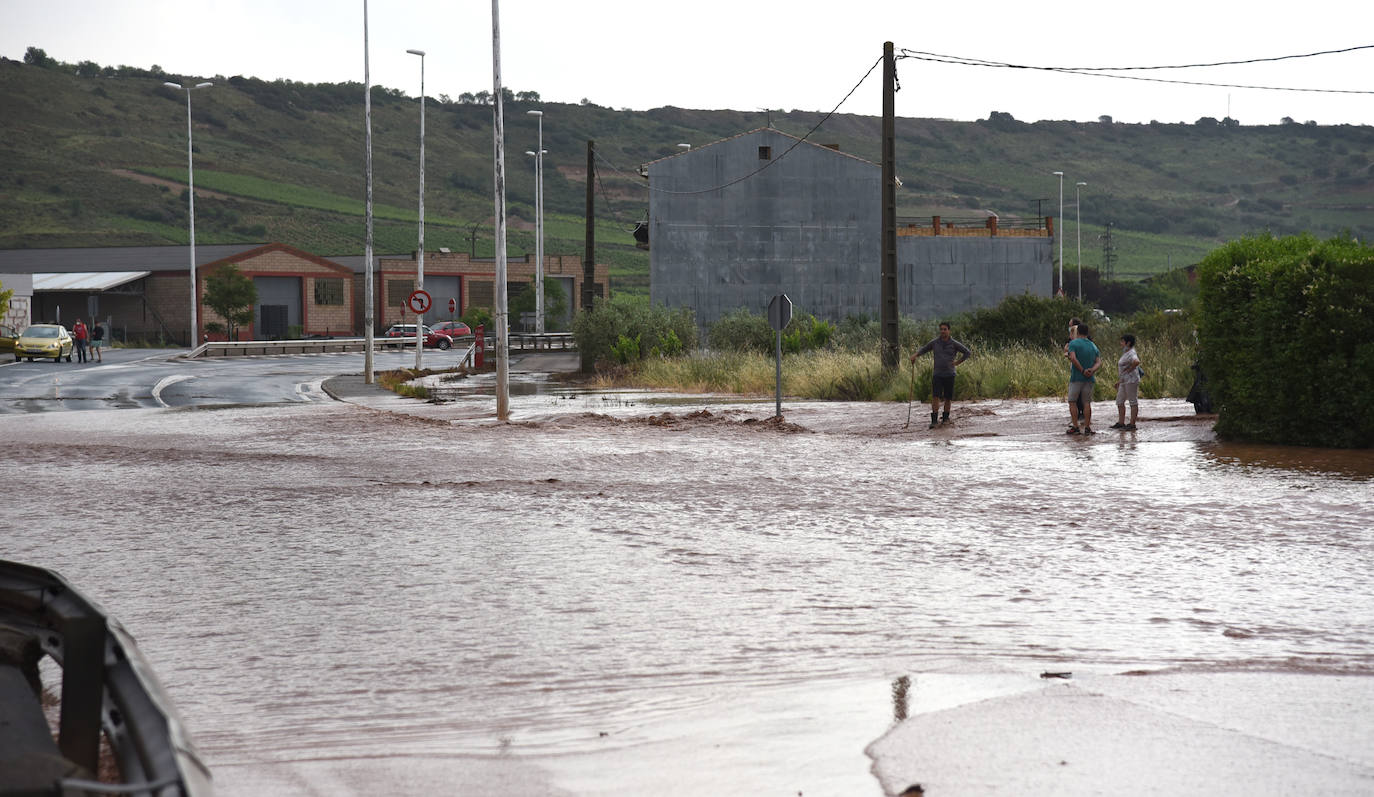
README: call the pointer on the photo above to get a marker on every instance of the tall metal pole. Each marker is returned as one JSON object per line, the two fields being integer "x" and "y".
{"x": 888, "y": 280}
{"x": 369, "y": 299}
{"x": 539, "y": 227}
{"x": 191, "y": 189}
{"x": 420, "y": 256}
{"x": 502, "y": 312}
{"x": 1079, "y": 229}
{"x": 589, "y": 253}
{"x": 1059, "y": 233}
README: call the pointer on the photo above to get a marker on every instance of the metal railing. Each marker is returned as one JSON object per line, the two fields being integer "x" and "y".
{"x": 106, "y": 686}
{"x": 519, "y": 341}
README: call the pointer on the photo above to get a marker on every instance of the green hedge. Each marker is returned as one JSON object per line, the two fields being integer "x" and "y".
{"x": 627, "y": 328}
{"x": 1286, "y": 331}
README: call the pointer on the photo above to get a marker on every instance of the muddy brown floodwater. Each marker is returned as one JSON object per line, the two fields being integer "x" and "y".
{"x": 630, "y": 598}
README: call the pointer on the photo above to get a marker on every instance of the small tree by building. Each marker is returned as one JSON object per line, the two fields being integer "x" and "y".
{"x": 232, "y": 296}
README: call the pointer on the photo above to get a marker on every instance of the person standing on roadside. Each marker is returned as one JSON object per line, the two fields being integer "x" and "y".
{"x": 1083, "y": 365}
{"x": 1073, "y": 333}
{"x": 944, "y": 348}
{"x": 97, "y": 340}
{"x": 79, "y": 336}
{"x": 1127, "y": 384}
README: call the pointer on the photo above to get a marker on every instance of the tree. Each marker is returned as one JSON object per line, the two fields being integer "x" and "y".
{"x": 35, "y": 56}
{"x": 555, "y": 303}
{"x": 232, "y": 296}
{"x": 4, "y": 300}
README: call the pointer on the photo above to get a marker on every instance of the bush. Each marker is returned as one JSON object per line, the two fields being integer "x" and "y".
{"x": 627, "y": 329}
{"x": 1025, "y": 319}
{"x": 1287, "y": 340}
{"x": 477, "y": 316}
{"x": 743, "y": 330}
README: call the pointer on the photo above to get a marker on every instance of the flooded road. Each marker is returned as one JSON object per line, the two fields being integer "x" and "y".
{"x": 683, "y": 600}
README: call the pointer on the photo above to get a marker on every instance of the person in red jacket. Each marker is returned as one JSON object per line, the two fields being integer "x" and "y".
{"x": 79, "y": 335}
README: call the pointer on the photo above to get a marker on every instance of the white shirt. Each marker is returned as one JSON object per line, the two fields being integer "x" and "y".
{"x": 1128, "y": 367}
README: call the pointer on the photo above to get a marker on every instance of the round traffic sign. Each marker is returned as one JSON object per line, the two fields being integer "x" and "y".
{"x": 453, "y": 305}
{"x": 419, "y": 302}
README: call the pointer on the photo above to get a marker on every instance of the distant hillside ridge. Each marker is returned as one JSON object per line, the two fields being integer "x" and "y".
{"x": 96, "y": 156}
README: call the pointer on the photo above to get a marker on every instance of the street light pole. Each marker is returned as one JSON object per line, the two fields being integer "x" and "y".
{"x": 420, "y": 256}
{"x": 1079, "y": 229}
{"x": 191, "y": 186}
{"x": 539, "y": 227}
{"x": 1059, "y": 233}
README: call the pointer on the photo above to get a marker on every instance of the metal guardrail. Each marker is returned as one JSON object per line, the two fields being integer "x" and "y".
{"x": 106, "y": 686}
{"x": 519, "y": 341}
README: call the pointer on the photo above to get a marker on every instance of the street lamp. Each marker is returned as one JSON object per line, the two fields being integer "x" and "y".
{"x": 420, "y": 256}
{"x": 1079, "y": 229}
{"x": 1060, "y": 232}
{"x": 538, "y": 225}
{"x": 191, "y": 186}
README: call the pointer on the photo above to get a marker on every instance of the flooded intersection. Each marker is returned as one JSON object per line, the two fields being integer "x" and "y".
{"x": 685, "y": 599}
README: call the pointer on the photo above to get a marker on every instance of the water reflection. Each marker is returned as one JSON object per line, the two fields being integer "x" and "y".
{"x": 1357, "y": 464}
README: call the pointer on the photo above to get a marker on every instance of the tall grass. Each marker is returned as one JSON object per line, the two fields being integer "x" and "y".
{"x": 1012, "y": 371}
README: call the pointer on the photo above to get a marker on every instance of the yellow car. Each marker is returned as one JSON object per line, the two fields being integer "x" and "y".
{"x": 44, "y": 340}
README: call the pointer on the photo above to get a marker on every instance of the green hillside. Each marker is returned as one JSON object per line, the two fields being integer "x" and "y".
{"x": 96, "y": 156}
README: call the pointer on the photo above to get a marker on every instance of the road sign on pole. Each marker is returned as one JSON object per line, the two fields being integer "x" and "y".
{"x": 452, "y": 306}
{"x": 419, "y": 302}
{"x": 779, "y": 314}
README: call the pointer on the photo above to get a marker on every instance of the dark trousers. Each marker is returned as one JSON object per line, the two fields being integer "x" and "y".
{"x": 80, "y": 350}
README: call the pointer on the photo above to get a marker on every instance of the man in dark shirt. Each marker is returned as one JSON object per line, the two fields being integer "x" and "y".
{"x": 942, "y": 379}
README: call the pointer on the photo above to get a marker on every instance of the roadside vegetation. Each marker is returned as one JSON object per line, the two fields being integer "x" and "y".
{"x": 1287, "y": 333}
{"x": 1018, "y": 348}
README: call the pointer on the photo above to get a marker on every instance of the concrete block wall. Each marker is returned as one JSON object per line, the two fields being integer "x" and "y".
{"x": 810, "y": 226}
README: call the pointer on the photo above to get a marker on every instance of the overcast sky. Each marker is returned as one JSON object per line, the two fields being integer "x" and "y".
{"x": 743, "y": 55}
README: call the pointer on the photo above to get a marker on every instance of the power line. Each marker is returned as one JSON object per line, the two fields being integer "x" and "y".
{"x": 795, "y": 144}
{"x": 1101, "y": 71}
{"x": 914, "y": 53}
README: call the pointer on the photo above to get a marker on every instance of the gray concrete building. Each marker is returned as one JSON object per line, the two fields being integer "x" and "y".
{"x": 734, "y": 223}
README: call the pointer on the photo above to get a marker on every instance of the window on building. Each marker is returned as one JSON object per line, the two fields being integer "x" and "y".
{"x": 398, "y": 291}
{"x": 765, "y": 153}
{"x": 481, "y": 294}
{"x": 329, "y": 291}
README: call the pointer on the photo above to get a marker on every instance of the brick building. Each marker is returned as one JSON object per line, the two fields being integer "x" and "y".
{"x": 470, "y": 283}
{"x": 143, "y": 292}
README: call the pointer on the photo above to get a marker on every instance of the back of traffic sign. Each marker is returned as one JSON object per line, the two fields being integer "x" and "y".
{"x": 779, "y": 312}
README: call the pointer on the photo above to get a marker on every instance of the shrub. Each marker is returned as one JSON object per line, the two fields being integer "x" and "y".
{"x": 742, "y": 330}
{"x": 477, "y": 316}
{"x": 1287, "y": 340}
{"x": 1023, "y": 318}
{"x": 626, "y": 329}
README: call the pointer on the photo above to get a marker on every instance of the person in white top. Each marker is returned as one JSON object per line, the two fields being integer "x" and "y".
{"x": 1128, "y": 384}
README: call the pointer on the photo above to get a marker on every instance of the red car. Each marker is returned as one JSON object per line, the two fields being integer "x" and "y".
{"x": 454, "y": 329}
{"x": 433, "y": 340}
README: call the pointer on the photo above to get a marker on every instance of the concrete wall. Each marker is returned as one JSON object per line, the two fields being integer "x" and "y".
{"x": 807, "y": 226}
{"x": 810, "y": 226}
{"x": 940, "y": 276}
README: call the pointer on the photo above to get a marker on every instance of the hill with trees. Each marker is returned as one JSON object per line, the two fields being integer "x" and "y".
{"x": 96, "y": 156}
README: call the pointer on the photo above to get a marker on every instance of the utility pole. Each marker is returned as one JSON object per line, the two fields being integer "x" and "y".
{"x": 502, "y": 310}
{"x": 589, "y": 256}
{"x": 369, "y": 298}
{"x": 1108, "y": 253}
{"x": 888, "y": 270}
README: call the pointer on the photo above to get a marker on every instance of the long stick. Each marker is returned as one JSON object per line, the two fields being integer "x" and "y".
{"x": 911, "y": 394}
